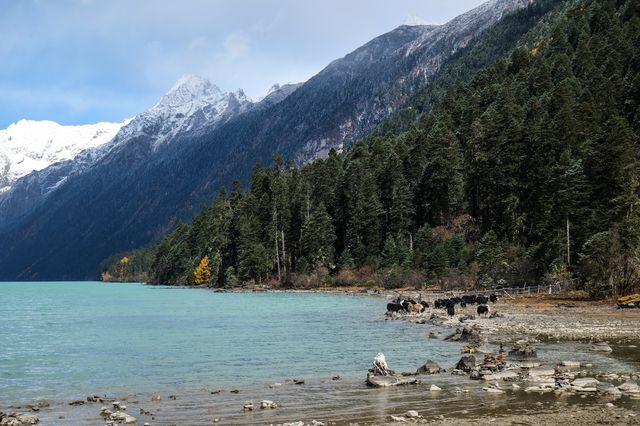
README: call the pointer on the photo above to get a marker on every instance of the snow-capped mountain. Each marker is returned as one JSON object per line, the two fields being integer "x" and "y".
{"x": 192, "y": 103}
{"x": 39, "y": 158}
{"x": 28, "y": 145}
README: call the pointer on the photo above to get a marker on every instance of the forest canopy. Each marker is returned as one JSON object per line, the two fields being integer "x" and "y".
{"x": 526, "y": 173}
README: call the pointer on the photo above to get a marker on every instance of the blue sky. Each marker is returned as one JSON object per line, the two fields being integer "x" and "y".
{"x": 83, "y": 61}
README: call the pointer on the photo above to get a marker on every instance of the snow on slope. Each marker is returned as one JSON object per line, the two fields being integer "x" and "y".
{"x": 192, "y": 103}
{"x": 28, "y": 145}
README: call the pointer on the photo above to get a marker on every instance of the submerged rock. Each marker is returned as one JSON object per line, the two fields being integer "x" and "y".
{"x": 266, "y": 404}
{"x": 601, "y": 347}
{"x": 469, "y": 335}
{"x": 121, "y": 417}
{"x": 386, "y": 381}
{"x": 429, "y": 367}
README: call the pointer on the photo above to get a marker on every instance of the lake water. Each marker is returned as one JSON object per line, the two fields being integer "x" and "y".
{"x": 63, "y": 340}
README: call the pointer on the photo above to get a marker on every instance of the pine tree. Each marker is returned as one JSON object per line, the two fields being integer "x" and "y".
{"x": 318, "y": 237}
{"x": 441, "y": 189}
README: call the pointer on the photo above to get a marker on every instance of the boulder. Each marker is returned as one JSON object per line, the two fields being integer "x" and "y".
{"x": 585, "y": 384}
{"x": 386, "y": 381}
{"x": 435, "y": 388}
{"x": 469, "y": 335}
{"x": 571, "y": 364}
{"x": 15, "y": 419}
{"x": 121, "y": 417}
{"x": 466, "y": 363}
{"x": 248, "y": 406}
{"x": 266, "y": 404}
{"x": 601, "y": 347}
{"x": 608, "y": 389}
{"x": 429, "y": 367}
{"x": 413, "y": 414}
{"x": 629, "y": 388}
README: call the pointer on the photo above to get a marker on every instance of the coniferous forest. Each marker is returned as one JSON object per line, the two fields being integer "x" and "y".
{"x": 525, "y": 173}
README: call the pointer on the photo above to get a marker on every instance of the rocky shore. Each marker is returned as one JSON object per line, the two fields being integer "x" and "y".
{"x": 505, "y": 373}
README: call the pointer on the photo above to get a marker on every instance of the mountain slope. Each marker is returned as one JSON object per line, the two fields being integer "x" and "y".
{"x": 192, "y": 104}
{"x": 130, "y": 197}
{"x": 529, "y": 172}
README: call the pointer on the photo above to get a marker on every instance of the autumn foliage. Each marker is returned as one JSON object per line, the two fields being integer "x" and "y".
{"x": 202, "y": 274}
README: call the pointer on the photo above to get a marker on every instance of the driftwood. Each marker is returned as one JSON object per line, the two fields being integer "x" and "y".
{"x": 380, "y": 367}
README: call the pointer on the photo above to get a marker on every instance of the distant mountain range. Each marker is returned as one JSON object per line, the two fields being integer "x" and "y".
{"x": 169, "y": 161}
{"x": 28, "y": 146}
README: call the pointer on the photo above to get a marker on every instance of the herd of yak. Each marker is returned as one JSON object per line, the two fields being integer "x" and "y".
{"x": 411, "y": 306}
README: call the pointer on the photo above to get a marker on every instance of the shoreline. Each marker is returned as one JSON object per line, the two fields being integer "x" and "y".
{"x": 347, "y": 401}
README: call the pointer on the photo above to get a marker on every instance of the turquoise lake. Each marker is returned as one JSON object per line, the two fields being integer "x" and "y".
{"x": 61, "y": 340}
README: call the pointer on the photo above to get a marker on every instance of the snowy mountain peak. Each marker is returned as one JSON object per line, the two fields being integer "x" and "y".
{"x": 30, "y": 145}
{"x": 189, "y": 93}
{"x": 192, "y": 104}
{"x": 414, "y": 21}
{"x": 194, "y": 83}
{"x": 273, "y": 89}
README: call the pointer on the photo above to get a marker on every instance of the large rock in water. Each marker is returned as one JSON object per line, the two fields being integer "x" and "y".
{"x": 429, "y": 367}
{"x": 601, "y": 347}
{"x": 386, "y": 381}
{"x": 469, "y": 335}
{"x": 466, "y": 363}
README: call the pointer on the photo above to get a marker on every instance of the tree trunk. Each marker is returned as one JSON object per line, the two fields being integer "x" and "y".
{"x": 568, "y": 244}
{"x": 275, "y": 225}
{"x": 284, "y": 257}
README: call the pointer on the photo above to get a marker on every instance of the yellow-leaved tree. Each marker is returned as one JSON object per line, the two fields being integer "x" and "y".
{"x": 202, "y": 274}
{"x": 124, "y": 262}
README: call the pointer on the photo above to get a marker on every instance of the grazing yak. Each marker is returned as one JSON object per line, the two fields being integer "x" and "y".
{"x": 408, "y": 306}
{"x": 394, "y": 307}
{"x": 415, "y": 308}
{"x": 483, "y": 309}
